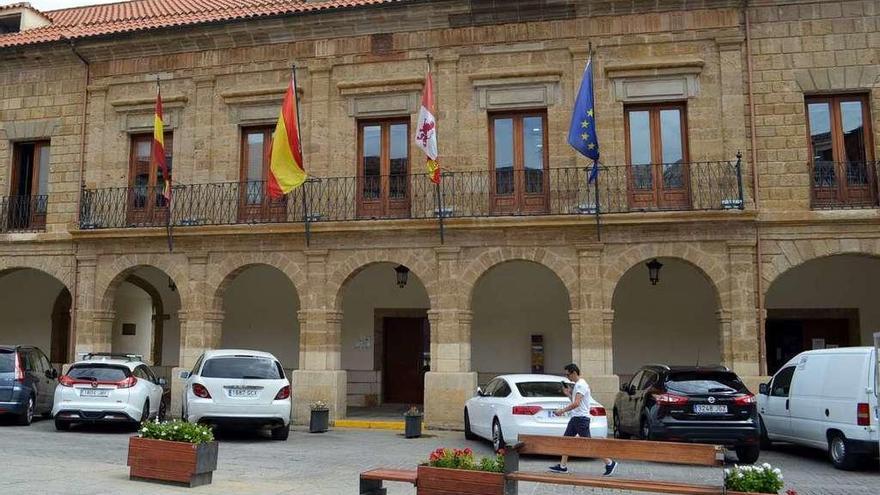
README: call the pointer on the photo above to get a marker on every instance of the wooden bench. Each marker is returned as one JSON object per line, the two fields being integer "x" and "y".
{"x": 371, "y": 481}
{"x": 621, "y": 450}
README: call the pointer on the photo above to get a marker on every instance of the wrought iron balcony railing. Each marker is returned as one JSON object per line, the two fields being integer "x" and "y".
{"x": 837, "y": 185}
{"x": 23, "y": 213}
{"x": 504, "y": 192}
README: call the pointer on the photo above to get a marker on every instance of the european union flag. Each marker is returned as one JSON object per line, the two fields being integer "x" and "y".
{"x": 582, "y": 133}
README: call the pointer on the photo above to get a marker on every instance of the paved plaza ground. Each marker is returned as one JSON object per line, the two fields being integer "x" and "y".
{"x": 39, "y": 460}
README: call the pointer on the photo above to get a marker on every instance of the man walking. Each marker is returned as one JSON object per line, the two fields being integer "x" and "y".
{"x": 579, "y": 424}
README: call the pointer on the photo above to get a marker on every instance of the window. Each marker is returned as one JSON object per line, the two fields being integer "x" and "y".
{"x": 782, "y": 382}
{"x": 254, "y": 368}
{"x": 540, "y": 389}
{"x": 491, "y": 387}
{"x": 648, "y": 380}
{"x": 840, "y": 150}
{"x": 634, "y": 382}
{"x": 255, "y": 205}
{"x": 383, "y": 168}
{"x": 519, "y": 162}
{"x": 503, "y": 390}
{"x": 29, "y": 186}
{"x": 704, "y": 382}
{"x": 147, "y": 204}
{"x": 198, "y": 364}
{"x": 657, "y": 155}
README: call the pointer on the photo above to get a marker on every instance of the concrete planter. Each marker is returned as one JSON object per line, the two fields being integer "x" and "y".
{"x": 181, "y": 463}
{"x": 441, "y": 481}
{"x": 319, "y": 421}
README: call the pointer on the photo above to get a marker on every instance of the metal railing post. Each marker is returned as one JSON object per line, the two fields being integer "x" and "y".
{"x": 739, "y": 180}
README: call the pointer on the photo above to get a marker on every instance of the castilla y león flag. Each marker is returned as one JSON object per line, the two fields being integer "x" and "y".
{"x": 286, "y": 170}
{"x": 426, "y": 130}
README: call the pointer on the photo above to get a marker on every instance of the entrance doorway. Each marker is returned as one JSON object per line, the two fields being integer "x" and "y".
{"x": 787, "y": 335}
{"x": 29, "y": 186}
{"x": 405, "y": 359}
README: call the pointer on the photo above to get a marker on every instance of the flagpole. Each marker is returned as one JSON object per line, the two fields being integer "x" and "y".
{"x": 437, "y": 193}
{"x": 595, "y": 162}
{"x": 169, "y": 224}
{"x": 305, "y": 201}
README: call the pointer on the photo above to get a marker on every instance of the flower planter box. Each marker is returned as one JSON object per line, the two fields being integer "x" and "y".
{"x": 180, "y": 463}
{"x": 440, "y": 481}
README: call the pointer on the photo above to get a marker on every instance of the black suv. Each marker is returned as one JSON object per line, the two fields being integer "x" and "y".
{"x": 689, "y": 404}
{"x": 27, "y": 383}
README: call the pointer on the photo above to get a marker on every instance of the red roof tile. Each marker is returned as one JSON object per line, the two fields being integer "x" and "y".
{"x": 139, "y": 15}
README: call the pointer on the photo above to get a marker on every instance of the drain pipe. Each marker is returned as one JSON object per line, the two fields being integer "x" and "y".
{"x": 759, "y": 280}
{"x": 71, "y": 351}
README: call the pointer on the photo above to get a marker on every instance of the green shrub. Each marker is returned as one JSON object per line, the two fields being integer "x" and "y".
{"x": 177, "y": 431}
{"x": 464, "y": 459}
{"x": 756, "y": 479}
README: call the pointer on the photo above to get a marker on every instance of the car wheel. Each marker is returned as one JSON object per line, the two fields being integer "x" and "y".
{"x": 645, "y": 430}
{"x": 840, "y": 455}
{"x": 497, "y": 436}
{"x": 62, "y": 425}
{"x": 27, "y": 416}
{"x": 281, "y": 433}
{"x": 618, "y": 433}
{"x": 145, "y": 414}
{"x": 766, "y": 443}
{"x": 163, "y": 411}
{"x": 748, "y": 454}
{"x": 468, "y": 434}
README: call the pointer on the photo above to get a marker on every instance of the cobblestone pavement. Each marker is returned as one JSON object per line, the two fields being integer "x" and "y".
{"x": 39, "y": 460}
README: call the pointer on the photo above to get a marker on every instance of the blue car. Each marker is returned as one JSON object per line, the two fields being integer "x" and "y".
{"x": 27, "y": 383}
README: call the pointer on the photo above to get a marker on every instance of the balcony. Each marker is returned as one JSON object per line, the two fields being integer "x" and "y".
{"x": 841, "y": 185}
{"x": 23, "y": 213}
{"x": 499, "y": 193}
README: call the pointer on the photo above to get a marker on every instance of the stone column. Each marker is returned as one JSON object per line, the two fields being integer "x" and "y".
{"x": 450, "y": 382}
{"x": 317, "y": 116}
{"x": 591, "y": 333}
{"x": 89, "y": 336}
{"x": 203, "y": 146}
{"x": 744, "y": 337}
{"x": 200, "y": 331}
{"x": 733, "y": 98}
{"x": 320, "y": 375}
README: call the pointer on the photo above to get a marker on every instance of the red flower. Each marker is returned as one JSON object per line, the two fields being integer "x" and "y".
{"x": 790, "y": 492}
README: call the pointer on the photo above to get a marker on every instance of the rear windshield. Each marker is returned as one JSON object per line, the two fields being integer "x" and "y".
{"x": 704, "y": 382}
{"x": 7, "y": 361}
{"x": 540, "y": 389}
{"x": 99, "y": 372}
{"x": 254, "y": 368}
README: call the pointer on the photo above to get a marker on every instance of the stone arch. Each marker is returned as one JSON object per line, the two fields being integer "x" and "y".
{"x": 714, "y": 270}
{"x": 109, "y": 279}
{"x": 231, "y": 266}
{"x": 788, "y": 254}
{"x": 61, "y": 268}
{"x": 566, "y": 269}
{"x": 421, "y": 266}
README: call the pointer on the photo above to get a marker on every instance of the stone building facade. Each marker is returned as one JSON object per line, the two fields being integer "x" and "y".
{"x": 680, "y": 90}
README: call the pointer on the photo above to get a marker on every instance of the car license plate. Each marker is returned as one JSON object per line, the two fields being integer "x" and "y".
{"x": 242, "y": 392}
{"x": 94, "y": 392}
{"x": 709, "y": 409}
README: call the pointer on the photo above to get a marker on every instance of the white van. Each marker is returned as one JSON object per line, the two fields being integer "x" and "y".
{"x": 825, "y": 399}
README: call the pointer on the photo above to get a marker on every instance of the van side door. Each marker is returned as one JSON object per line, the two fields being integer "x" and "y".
{"x": 776, "y": 413}
{"x": 812, "y": 401}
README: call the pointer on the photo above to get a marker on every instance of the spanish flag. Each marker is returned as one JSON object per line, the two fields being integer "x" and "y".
{"x": 157, "y": 153}
{"x": 426, "y": 130}
{"x": 286, "y": 170}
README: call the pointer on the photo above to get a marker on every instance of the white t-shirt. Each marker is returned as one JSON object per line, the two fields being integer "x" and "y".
{"x": 583, "y": 410}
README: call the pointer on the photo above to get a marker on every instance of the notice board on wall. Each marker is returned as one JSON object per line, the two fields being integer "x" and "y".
{"x": 537, "y": 353}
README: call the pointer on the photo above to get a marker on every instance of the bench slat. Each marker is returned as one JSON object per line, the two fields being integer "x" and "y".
{"x": 617, "y": 483}
{"x": 400, "y": 475}
{"x": 634, "y": 450}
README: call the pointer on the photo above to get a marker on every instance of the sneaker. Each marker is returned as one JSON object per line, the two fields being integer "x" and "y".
{"x": 559, "y": 468}
{"x": 609, "y": 468}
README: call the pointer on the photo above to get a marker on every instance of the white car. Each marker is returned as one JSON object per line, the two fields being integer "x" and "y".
{"x": 512, "y": 405}
{"x": 109, "y": 388}
{"x": 238, "y": 388}
{"x": 826, "y": 399}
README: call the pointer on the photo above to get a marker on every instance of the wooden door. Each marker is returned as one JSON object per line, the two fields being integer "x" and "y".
{"x": 657, "y": 157}
{"x": 30, "y": 184}
{"x": 403, "y": 371}
{"x": 383, "y": 169}
{"x": 146, "y": 201}
{"x": 254, "y": 203}
{"x": 519, "y": 166}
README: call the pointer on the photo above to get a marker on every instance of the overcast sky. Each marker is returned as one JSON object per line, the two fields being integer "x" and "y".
{"x": 57, "y": 4}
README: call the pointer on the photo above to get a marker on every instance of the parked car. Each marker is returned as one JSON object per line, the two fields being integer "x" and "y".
{"x": 108, "y": 388}
{"x": 689, "y": 404}
{"x": 27, "y": 382}
{"x": 825, "y": 399}
{"x": 513, "y": 405}
{"x": 238, "y": 388}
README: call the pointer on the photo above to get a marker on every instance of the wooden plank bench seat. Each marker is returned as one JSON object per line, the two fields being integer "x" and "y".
{"x": 371, "y": 481}
{"x": 627, "y": 450}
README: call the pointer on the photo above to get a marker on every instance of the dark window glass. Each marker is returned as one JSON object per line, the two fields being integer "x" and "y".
{"x": 541, "y": 389}
{"x": 99, "y": 372}
{"x": 503, "y": 156}
{"x": 490, "y": 388}
{"x": 255, "y": 368}
{"x": 197, "y": 365}
{"x": 533, "y": 153}
{"x": 637, "y": 379}
{"x": 399, "y": 156}
{"x": 702, "y": 382}
{"x": 372, "y": 161}
{"x": 7, "y": 361}
{"x": 782, "y": 382}
{"x": 503, "y": 390}
{"x": 648, "y": 380}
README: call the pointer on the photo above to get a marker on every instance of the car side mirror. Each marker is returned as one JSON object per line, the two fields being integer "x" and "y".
{"x": 183, "y": 375}
{"x": 479, "y": 392}
{"x": 162, "y": 382}
{"x": 764, "y": 389}
{"x": 52, "y": 373}
{"x": 624, "y": 387}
